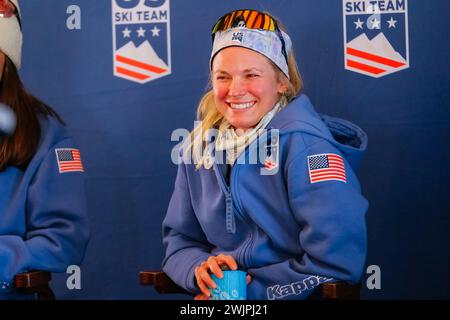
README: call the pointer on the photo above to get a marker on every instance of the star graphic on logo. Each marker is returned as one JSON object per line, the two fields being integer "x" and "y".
{"x": 359, "y": 24}
{"x": 376, "y": 24}
{"x": 392, "y": 22}
{"x": 141, "y": 32}
{"x": 126, "y": 32}
{"x": 155, "y": 31}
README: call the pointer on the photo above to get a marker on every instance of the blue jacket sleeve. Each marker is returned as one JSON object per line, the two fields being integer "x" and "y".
{"x": 185, "y": 243}
{"x": 331, "y": 215}
{"x": 56, "y": 222}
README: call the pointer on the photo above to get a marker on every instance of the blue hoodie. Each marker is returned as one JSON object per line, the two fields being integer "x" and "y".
{"x": 290, "y": 230}
{"x": 43, "y": 224}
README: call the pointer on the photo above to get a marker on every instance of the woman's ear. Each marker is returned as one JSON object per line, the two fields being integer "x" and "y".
{"x": 282, "y": 88}
{"x": 283, "y": 82}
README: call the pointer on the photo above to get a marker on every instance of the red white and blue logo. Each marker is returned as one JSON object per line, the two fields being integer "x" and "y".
{"x": 141, "y": 39}
{"x": 376, "y": 36}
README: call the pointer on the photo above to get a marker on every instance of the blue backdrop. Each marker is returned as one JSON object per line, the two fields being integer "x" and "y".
{"x": 123, "y": 129}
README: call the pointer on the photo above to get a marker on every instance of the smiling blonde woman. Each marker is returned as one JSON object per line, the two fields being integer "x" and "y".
{"x": 295, "y": 218}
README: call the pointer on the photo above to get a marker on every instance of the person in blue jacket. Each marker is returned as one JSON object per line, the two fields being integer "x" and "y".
{"x": 293, "y": 219}
{"x": 43, "y": 215}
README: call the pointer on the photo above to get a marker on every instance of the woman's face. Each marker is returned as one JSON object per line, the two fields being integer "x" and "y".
{"x": 2, "y": 64}
{"x": 245, "y": 86}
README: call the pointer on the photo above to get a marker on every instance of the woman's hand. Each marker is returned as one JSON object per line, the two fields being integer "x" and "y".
{"x": 212, "y": 265}
{"x": 201, "y": 296}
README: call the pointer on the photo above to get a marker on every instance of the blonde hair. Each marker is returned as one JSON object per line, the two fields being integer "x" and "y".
{"x": 209, "y": 116}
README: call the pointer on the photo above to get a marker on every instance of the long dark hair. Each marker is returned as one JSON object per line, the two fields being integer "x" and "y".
{"x": 19, "y": 149}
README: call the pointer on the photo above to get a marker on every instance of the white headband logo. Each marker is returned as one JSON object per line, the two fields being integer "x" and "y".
{"x": 238, "y": 36}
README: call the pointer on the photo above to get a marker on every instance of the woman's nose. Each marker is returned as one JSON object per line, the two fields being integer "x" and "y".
{"x": 237, "y": 88}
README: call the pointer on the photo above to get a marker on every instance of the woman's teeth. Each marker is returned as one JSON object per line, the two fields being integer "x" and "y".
{"x": 242, "y": 105}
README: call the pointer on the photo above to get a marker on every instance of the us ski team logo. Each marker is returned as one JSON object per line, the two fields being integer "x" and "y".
{"x": 141, "y": 39}
{"x": 376, "y": 36}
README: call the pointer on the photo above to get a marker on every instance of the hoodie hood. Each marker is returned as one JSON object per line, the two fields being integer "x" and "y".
{"x": 300, "y": 116}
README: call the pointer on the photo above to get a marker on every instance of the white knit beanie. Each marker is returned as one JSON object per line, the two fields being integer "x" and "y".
{"x": 11, "y": 37}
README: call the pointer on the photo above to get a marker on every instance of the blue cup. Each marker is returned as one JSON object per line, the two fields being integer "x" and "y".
{"x": 232, "y": 286}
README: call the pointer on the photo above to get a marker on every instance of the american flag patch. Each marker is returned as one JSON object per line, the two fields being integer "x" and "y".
{"x": 325, "y": 167}
{"x": 69, "y": 160}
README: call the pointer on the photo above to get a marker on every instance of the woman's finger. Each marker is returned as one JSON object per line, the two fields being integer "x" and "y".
{"x": 248, "y": 279}
{"x": 214, "y": 267}
{"x": 228, "y": 260}
{"x": 201, "y": 297}
{"x": 203, "y": 288}
{"x": 199, "y": 271}
{"x": 206, "y": 277}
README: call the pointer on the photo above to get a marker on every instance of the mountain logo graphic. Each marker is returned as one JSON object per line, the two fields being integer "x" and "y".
{"x": 141, "y": 40}
{"x": 376, "y": 40}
